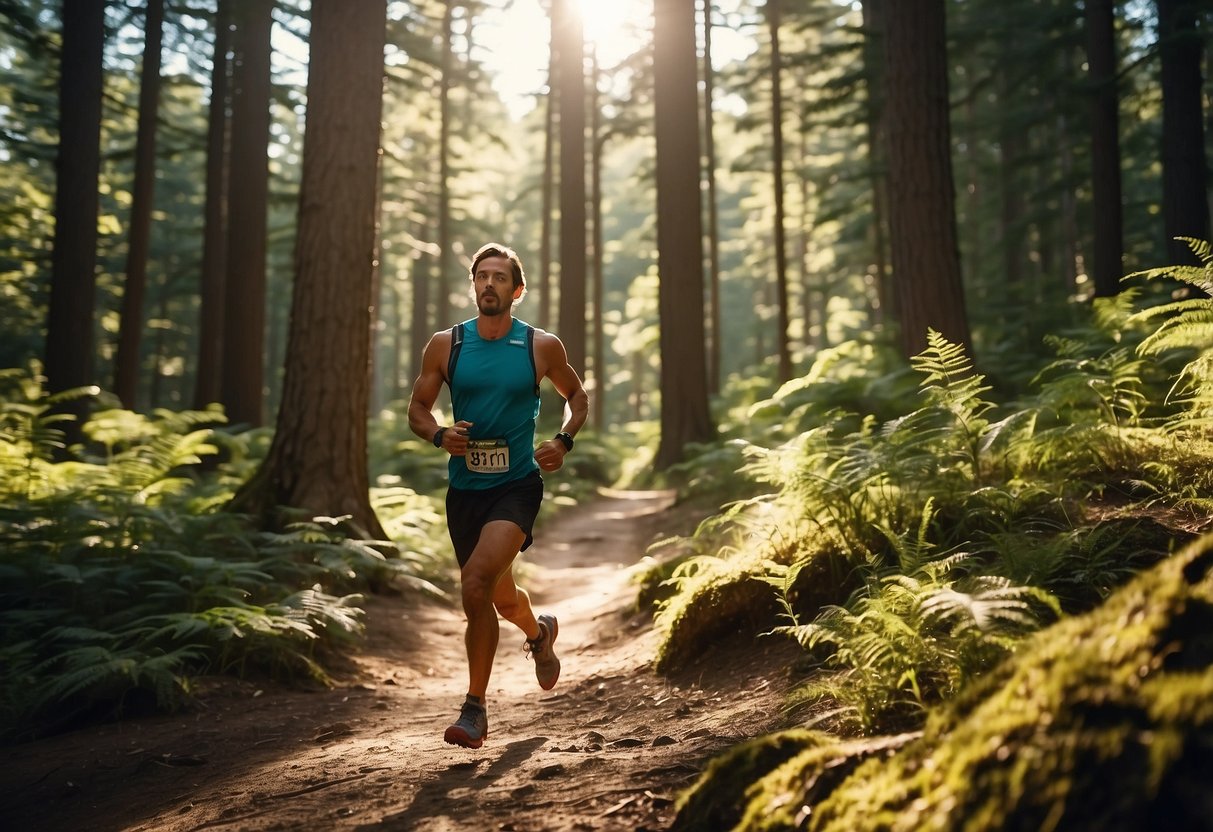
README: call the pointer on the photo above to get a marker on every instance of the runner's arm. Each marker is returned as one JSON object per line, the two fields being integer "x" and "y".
{"x": 555, "y": 361}
{"x": 425, "y": 395}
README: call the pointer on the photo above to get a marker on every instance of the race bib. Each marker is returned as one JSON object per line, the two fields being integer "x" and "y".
{"x": 488, "y": 456}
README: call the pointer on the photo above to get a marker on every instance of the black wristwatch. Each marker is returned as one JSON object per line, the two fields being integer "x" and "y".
{"x": 438, "y": 437}
{"x": 566, "y": 440}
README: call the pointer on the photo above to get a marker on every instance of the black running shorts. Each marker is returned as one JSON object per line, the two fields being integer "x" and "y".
{"x": 468, "y": 510}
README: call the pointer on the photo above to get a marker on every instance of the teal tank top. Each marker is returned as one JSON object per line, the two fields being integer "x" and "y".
{"x": 493, "y": 386}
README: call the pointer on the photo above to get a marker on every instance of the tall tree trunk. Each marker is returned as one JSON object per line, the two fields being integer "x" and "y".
{"x": 243, "y": 380}
{"x": 709, "y": 168}
{"x": 1011, "y": 148}
{"x": 874, "y": 65}
{"x": 1108, "y": 246}
{"x": 814, "y": 290}
{"x": 396, "y": 368}
{"x": 545, "y": 221}
{"x": 922, "y": 212}
{"x": 685, "y": 417}
{"x": 446, "y": 268}
{"x": 570, "y": 77}
{"x": 421, "y": 325}
{"x": 130, "y": 329}
{"x": 159, "y": 345}
{"x": 781, "y": 252}
{"x": 375, "y": 400}
{"x": 318, "y": 459}
{"x": 571, "y": 93}
{"x": 69, "y": 322}
{"x": 1185, "y": 172}
{"x": 214, "y": 229}
{"x": 1068, "y": 225}
{"x": 598, "y": 394}
{"x": 975, "y": 212}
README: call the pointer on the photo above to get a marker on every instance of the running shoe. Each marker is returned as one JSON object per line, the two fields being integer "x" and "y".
{"x": 471, "y": 728}
{"x": 547, "y": 664}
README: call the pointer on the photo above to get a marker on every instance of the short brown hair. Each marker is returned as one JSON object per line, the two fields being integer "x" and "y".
{"x": 498, "y": 250}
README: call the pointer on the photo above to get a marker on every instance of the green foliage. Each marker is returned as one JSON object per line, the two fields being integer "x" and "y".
{"x": 915, "y": 634}
{"x": 855, "y": 377}
{"x": 1096, "y": 724}
{"x": 970, "y": 524}
{"x": 121, "y": 578}
{"x": 913, "y": 554}
{"x": 1186, "y": 326}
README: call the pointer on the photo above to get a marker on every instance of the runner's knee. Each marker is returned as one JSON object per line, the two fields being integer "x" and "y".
{"x": 510, "y": 600}
{"x": 477, "y": 590}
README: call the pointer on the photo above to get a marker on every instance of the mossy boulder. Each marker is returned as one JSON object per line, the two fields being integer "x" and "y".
{"x": 726, "y": 604}
{"x": 1102, "y": 722}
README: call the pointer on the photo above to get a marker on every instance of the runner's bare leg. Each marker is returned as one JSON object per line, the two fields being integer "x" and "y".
{"x": 490, "y": 561}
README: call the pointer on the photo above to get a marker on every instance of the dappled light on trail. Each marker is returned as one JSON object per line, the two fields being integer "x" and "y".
{"x": 610, "y": 746}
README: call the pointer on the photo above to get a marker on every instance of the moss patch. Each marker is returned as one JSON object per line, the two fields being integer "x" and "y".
{"x": 724, "y": 604}
{"x": 717, "y": 800}
{"x": 1101, "y": 722}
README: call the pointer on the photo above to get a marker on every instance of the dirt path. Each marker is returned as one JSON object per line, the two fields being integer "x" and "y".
{"x": 608, "y": 748}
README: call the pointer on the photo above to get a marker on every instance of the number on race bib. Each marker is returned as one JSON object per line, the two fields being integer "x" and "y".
{"x": 488, "y": 456}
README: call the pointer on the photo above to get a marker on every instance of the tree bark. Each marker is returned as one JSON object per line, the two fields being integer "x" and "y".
{"x": 420, "y": 325}
{"x": 248, "y": 189}
{"x": 570, "y": 78}
{"x": 874, "y": 65}
{"x": 214, "y": 229}
{"x": 781, "y": 253}
{"x": 685, "y": 417}
{"x": 1185, "y": 171}
{"x": 446, "y": 271}
{"x": 709, "y": 167}
{"x": 545, "y": 221}
{"x": 318, "y": 459}
{"x": 1108, "y": 247}
{"x": 598, "y": 391}
{"x": 130, "y": 328}
{"x": 69, "y": 324}
{"x": 922, "y": 212}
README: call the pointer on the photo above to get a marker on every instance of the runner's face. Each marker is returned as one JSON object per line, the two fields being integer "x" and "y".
{"x": 494, "y": 285}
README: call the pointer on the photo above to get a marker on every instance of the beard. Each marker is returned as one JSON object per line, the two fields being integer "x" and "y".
{"x": 491, "y": 310}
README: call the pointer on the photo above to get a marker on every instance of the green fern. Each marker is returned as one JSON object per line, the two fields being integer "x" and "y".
{"x": 119, "y": 575}
{"x": 1186, "y": 326}
{"x": 908, "y": 641}
{"x": 918, "y": 632}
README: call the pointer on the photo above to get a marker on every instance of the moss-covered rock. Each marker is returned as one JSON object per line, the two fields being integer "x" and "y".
{"x": 718, "y": 799}
{"x": 726, "y": 603}
{"x": 1101, "y": 722}
{"x": 759, "y": 784}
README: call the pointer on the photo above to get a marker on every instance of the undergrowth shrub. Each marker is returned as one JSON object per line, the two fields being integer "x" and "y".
{"x": 121, "y": 579}
{"x": 1185, "y": 326}
{"x": 942, "y": 535}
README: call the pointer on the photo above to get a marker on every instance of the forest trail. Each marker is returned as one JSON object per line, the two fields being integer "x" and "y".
{"x": 609, "y": 748}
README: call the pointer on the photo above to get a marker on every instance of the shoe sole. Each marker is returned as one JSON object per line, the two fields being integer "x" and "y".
{"x": 553, "y": 629}
{"x": 457, "y": 736}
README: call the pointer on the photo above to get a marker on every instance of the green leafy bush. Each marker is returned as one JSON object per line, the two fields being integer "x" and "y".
{"x": 121, "y": 578}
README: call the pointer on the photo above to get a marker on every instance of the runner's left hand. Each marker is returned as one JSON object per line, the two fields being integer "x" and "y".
{"x": 550, "y": 455}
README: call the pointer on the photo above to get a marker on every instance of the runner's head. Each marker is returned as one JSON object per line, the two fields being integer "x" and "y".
{"x": 498, "y": 250}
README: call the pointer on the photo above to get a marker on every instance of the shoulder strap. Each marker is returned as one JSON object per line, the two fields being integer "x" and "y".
{"x": 530, "y": 351}
{"x": 456, "y": 345}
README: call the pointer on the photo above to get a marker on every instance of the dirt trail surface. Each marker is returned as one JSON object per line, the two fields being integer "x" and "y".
{"x": 609, "y": 748}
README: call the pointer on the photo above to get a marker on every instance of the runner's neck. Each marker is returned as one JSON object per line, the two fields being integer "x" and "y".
{"x": 491, "y": 328}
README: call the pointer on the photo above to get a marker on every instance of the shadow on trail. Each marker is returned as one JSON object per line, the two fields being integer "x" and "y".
{"x": 452, "y": 793}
